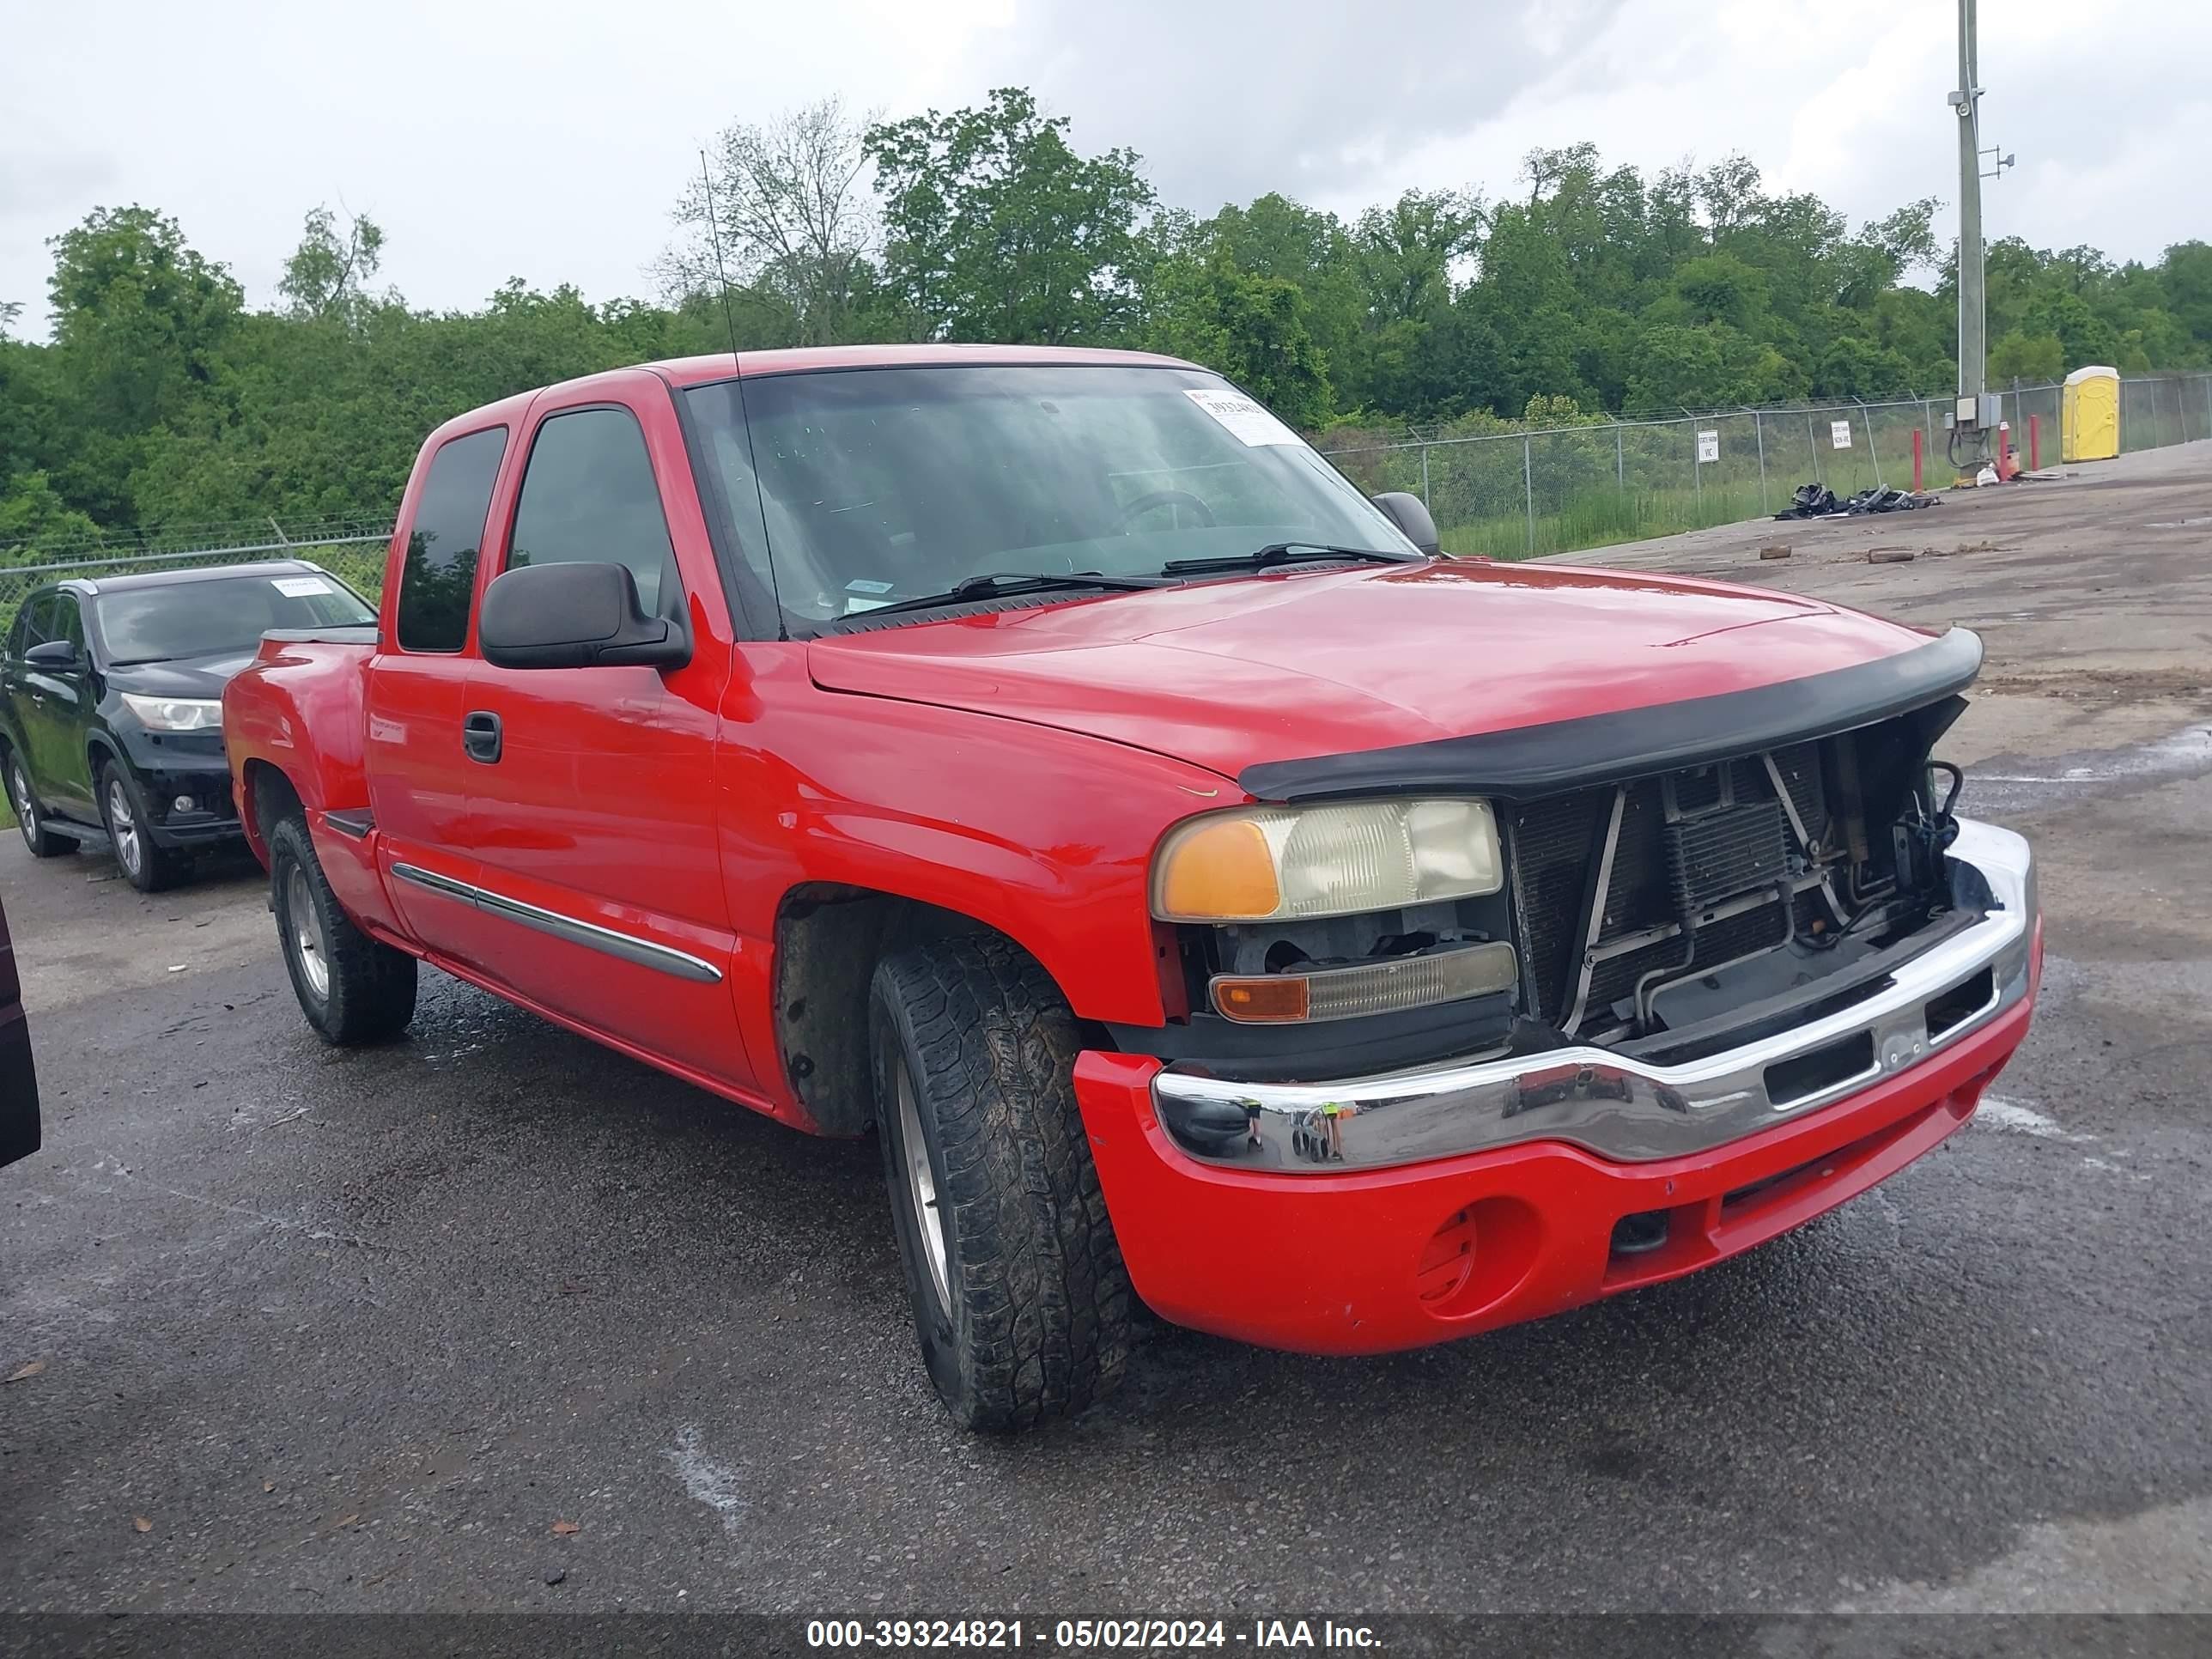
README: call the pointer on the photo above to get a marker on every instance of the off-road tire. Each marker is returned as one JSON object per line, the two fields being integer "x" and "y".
{"x": 30, "y": 816}
{"x": 369, "y": 991}
{"x": 1038, "y": 1321}
{"x": 157, "y": 868}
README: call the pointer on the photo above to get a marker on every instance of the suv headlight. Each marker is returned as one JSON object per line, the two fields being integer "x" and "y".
{"x": 174, "y": 714}
{"x": 1285, "y": 863}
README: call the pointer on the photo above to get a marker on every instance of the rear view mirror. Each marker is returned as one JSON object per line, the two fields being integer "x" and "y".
{"x": 574, "y": 615}
{"x": 1411, "y": 518}
{"x": 54, "y": 653}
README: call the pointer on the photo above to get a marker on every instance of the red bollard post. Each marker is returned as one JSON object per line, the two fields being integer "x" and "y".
{"x": 2035, "y": 443}
{"x": 1915, "y": 460}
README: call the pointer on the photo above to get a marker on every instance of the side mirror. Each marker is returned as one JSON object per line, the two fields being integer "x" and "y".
{"x": 54, "y": 653}
{"x": 574, "y": 615}
{"x": 1412, "y": 517}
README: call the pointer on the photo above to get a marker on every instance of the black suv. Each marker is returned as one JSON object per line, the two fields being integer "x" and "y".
{"x": 111, "y": 704}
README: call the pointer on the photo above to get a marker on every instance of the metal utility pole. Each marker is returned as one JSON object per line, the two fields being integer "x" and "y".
{"x": 1973, "y": 316}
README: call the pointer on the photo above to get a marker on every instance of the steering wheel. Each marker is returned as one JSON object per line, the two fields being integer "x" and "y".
{"x": 1166, "y": 498}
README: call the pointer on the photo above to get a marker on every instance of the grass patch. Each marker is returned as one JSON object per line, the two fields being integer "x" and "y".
{"x": 1601, "y": 517}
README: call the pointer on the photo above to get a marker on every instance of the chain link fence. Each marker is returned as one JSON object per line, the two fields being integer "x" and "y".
{"x": 352, "y": 550}
{"x": 1519, "y": 493}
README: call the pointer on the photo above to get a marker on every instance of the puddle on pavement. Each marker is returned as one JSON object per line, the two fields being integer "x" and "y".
{"x": 2006, "y": 783}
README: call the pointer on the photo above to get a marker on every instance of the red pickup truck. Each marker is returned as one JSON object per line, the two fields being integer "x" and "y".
{"x": 1208, "y": 892}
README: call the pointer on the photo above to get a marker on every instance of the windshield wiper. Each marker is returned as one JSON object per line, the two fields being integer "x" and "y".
{"x": 1283, "y": 553}
{"x": 999, "y": 584}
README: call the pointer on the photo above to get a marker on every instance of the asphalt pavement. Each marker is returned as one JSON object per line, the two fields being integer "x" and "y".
{"x": 493, "y": 1319}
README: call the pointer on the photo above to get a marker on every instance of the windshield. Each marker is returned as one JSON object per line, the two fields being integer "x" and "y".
{"x": 225, "y": 617}
{"x": 875, "y": 485}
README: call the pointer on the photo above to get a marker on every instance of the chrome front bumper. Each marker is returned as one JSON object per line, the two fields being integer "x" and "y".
{"x": 1613, "y": 1104}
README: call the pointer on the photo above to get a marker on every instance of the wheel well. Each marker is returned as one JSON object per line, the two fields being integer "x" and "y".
{"x": 269, "y": 796}
{"x": 828, "y": 939}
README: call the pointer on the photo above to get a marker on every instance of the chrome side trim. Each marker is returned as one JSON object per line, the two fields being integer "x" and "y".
{"x": 589, "y": 934}
{"x": 1613, "y": 1104}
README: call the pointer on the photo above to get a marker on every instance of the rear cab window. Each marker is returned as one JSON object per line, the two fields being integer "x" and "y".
{"x": 438, "y": 572}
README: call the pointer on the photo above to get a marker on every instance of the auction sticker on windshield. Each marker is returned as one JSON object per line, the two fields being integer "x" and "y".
{"x": 1245, "y": 419}
{"x": 300, "y": 587}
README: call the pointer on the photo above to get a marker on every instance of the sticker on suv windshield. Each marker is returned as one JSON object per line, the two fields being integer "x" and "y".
{"x": 1245, "y": 420}
{"x": 300, "y": 587}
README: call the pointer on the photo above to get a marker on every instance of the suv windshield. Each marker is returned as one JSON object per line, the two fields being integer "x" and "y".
{"x": 225, "y": 617}
{"x": 876, "y": 485}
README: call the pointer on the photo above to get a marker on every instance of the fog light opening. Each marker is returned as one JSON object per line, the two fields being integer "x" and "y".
{"x": 1480, "y": 1255}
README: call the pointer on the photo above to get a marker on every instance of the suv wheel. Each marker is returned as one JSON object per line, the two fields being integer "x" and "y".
{"x": 43, "y": 843}
{"x": 150, "y": 868}
{"x": 353, "y": 989}
{"x": 1020, "y": 1299}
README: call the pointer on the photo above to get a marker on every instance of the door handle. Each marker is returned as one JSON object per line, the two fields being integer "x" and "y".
{"x": 480, "y": 735}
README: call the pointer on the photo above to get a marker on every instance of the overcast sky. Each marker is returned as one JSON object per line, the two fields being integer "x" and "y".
{"x": 547, "y": 141}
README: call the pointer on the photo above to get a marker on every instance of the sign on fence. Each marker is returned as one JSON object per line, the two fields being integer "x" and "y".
{"x": 1840, "y": 434}
{"x": 1709, "y": 446}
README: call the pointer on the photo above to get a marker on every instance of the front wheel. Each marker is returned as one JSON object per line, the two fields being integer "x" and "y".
{"x": 353, "y": 989}
{"x": 43, "y": 843}
{"x": 1020, "y": 1298}
{"x": 150, "y": 868}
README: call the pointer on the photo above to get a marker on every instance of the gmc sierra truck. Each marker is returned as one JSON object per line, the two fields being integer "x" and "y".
{"x": 1207, "y": 892}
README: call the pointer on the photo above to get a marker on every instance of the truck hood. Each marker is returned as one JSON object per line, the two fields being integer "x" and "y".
{"x": 1292, "y": 665}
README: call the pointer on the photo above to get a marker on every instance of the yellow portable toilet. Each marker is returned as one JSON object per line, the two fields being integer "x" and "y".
{"x": 2092, "y": 415}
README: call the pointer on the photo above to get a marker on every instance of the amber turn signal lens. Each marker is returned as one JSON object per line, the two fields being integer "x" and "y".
{"x": 1379, "y": 987}
{"x": 1221, "y": 868}
{"x": 1260, "y": 1001}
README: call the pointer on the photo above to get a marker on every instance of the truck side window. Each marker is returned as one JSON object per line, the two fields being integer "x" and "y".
{"x": 438, "y": 581}
{"x": 588, "y": 495}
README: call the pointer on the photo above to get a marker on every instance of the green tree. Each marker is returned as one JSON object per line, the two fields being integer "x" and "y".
{"x": 784, "y": 212}
{"x": 34, "y": 518}
{"x": 140, "y": 317}
{"x": 996, "y": 229}
{"x": 2058, "y": 311}
{"x": 1251, "y": 328}
{"x": 1855, "y": 368}
{"x": 2185, "y": 275}
{"x": 327, "y": 275}
{"x": 2027, "y": 358}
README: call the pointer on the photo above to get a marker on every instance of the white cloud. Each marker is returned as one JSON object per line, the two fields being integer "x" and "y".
{"x": 548, "y": 141}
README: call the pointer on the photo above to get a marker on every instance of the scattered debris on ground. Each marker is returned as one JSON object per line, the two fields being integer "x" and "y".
{"x": 1889, "y": 555}
{"x": 1815, "y": 501}
{"x": 1775, "y": 550}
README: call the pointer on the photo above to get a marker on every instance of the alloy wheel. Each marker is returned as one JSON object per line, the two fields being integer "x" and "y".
{"x": 123, "y": 828}
{"x": 921, "y": 1189}
{"x": 306, "y": 923}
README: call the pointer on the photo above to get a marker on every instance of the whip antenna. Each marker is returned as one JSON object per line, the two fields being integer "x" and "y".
{"x": 714, "y": 240}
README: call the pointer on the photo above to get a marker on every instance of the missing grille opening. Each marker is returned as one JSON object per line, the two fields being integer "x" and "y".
{"x": 1808, "y": 1074}
{"x": 1961, "y": 1002}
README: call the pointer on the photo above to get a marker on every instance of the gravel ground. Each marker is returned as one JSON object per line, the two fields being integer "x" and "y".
{"x": 371, "y": 1332}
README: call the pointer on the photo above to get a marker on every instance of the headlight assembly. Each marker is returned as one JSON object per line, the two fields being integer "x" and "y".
{"x": 174, "y": 714}
{"x": 1284, "y": 864}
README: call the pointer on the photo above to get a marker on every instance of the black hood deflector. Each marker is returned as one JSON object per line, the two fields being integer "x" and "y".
{"x": 1529, "y": 761}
